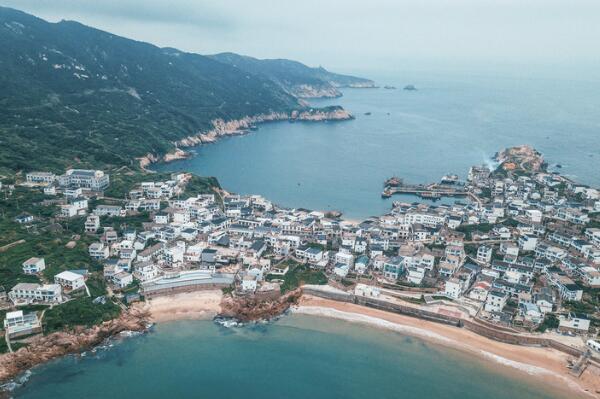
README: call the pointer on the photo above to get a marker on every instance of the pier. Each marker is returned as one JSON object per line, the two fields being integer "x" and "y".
{"x": 433, "y": 191}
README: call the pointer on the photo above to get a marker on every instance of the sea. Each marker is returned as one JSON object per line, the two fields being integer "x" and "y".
{"x": 297, "y": 356}
{"x": 451, "y": 122}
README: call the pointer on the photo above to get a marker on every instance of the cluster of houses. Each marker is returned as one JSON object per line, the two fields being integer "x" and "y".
{"x": 520, "y": 250}
{"x": 518, "y": 253}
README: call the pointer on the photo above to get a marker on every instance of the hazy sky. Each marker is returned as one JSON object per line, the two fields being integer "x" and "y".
{"x": 357, "y": 35}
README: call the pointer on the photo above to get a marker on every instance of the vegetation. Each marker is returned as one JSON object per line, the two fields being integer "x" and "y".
{"x": 97, "y": 99}
{"x": 292, "y": 76}
{"x": 550, "y": 322}
{"x": 79, "y": 312}
{"x": 299, "y": 274}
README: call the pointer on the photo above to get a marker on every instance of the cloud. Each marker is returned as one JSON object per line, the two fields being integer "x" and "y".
{"x": 185, "y": 12}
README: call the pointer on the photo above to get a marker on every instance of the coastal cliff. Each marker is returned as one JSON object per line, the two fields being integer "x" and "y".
{"x": 222, "y": 128}
{"x": 315, "y": 91}
{"x": 240, "y": 126}
{"x": 44, "y": 348}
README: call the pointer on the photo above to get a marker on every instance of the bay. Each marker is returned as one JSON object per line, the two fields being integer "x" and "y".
{"x": 450, "y": 123}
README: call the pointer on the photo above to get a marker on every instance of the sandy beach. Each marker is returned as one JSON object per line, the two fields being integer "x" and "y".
{"x": 547, "y": 366}
{"x": 185, "y": 306}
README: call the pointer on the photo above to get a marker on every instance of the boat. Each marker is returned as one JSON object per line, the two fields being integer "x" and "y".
{"x": 367, "y": 113}
{"x": 449, "y": 179}
{"x": 390, "y": 87}
{"x": 410, "y": 88}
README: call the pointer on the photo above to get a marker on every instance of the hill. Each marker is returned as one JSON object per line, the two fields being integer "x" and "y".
{"x": 73, "y": 95}
{"x": 294, "y": 77}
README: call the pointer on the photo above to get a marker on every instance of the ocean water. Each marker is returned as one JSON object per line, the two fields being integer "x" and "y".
{"x": 449, "y": 124}
{"x": 297, "y": 357}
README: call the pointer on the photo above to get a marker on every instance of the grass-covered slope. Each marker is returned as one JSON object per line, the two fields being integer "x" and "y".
{"x": 72, "y": 95}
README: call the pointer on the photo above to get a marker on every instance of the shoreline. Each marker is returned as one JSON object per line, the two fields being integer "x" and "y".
{"x": 547, "y": 366}
{"x": 238, "y": 127}
{"x": 197, "y": 305}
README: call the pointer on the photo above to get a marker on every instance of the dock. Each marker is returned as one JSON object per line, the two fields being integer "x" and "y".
{"x": 395, "y": 185}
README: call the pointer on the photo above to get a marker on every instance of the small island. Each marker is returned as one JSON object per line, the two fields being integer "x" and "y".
{"x": 410, "y": 88}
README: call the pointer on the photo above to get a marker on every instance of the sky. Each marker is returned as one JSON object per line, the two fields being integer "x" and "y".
{"x": 557, "y": 36}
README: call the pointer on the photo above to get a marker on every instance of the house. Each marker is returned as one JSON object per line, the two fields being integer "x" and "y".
{"x": 34, "y": 265}
{"x": 122, "y": 279}
{"x": 544, "y": 300}
{"x": 209, "y": 255}
{"x": 573, "y": 322}
{"x": 495, "y": 301}
{"x": 361, "y": 264}
{"x": 531, "y": 312}
{"x": 92, "y": 224}
{"x": 161, "y": 218}
{"x": 108, "y": 210}
{"x": 311, "y": 254}
{"x": 590, "y": 276}
{"x": 95, "y": 180}
{"x": 393, "y": 268}
{"x": 145, "y": 271}
{"x": 453, "y": 288}
{"x": 31, "y": 292}
{"x": 99, "y": 251}
{"x": 480, "y": 290}
{"x": 344, "y": 258}
{"x": 70, "y": 280}
{"x": 484, "y": 254}
{"x": 40, "y": 177}
{"x": 528, "y": 242}
{"x": 415, "y": 274}
{"x": 24, "y": 218}
{"x": 249, "y": 283}
{"x": 341, "y": 269}
{"x": 17, "y": 323}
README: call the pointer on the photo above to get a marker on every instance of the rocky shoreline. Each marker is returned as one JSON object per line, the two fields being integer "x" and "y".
{"x": 45, "y": 348}
{"x": 236, "y": 127}
{"x": 254, "y": 308}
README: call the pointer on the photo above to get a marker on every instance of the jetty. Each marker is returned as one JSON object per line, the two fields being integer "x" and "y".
{"x": 396, "y": 185}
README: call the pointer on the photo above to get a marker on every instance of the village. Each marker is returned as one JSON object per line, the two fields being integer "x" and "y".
{"x": 519, "y": 253}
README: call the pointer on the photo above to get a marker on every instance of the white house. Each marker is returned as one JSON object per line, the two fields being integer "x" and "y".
{"x": 122, "y": 279}
{"x": 484, "y": 254}
{"x": 453, "y": 288}
{"x": 92, "y": 224}
{"x": 99, "y": 251}
{"x": 34, "y": 265}
{"x": 495, "y": 301}
{"x": 31, "y": 292}
{"x": 344, "y": 258}
{"x": 17, "y": 323}
{"x": 70, "y": 280}
{"x": 249, "y": 283}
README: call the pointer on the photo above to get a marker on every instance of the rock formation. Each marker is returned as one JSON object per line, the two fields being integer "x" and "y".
{"x": 44, "y": 348}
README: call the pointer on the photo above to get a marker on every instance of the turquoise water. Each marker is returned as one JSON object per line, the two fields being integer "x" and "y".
{"x": 297, "y": 357}
{"x": 449, "y": 124}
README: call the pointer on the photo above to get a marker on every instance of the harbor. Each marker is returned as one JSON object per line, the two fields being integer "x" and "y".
{"x": 433, "y": 191}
